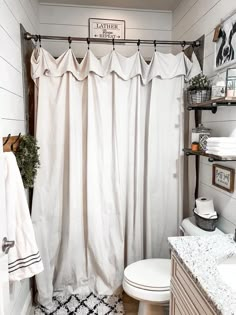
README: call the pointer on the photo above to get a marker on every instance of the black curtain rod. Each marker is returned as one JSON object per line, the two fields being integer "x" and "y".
{"x": 196, "y": 43}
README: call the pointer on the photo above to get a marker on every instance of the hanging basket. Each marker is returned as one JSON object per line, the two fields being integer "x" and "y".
{"x": 198, "y": 96}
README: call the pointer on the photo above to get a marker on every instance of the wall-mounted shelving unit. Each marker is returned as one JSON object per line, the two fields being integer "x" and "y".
{"x": 213, "y": 104}
{"x": 211, "y": 157}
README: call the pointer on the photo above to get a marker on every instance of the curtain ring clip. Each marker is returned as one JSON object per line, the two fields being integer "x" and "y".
{"x": 88, "y": 42}
{"x": 183, "y": 44}
{"x": 69, "y": 41}
{"x": 113, "y": 43}
{"x": 155, "y": 45}
{"x": 138, "y": 44}
{"x": 39, "y": 38}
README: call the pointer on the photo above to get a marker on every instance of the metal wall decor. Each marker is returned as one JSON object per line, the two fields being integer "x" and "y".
{"x": 106, "y": 28}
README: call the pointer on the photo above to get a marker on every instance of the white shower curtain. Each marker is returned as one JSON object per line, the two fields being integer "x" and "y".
{"x": 107, "y": 193}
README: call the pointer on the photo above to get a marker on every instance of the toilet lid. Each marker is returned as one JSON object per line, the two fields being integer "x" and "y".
{"x": 149, "y": 274}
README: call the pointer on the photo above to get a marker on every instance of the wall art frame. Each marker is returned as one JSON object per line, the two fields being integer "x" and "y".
{"x": 106, "y": 28}
{"x": 225, "y": 42}
{"x": 223, "y": 177}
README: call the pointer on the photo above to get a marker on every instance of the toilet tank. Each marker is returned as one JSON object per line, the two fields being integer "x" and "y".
{"x": 189, "y": 227}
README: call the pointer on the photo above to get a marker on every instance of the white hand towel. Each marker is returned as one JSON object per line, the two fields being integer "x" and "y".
{"x": 222, "y": 140}
{"x": 24, "y": 260}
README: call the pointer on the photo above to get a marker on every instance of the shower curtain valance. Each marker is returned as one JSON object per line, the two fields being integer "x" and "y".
{"x": 164, "y": 66}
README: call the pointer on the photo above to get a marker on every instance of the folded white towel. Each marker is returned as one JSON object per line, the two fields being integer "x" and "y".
{"x": 24, "y": 260}
{"x": 222, "y": 140}
{"x": 221, "y": 149}
{"x": 217, "y": 145}
{"x": 222, "y": 152}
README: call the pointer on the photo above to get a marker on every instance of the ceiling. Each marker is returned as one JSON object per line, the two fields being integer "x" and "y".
{"x": 132, "y": 4}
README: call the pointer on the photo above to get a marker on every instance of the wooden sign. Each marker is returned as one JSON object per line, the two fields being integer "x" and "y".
{"x": 106, "y": 28}
{"x": 223, "y": 177}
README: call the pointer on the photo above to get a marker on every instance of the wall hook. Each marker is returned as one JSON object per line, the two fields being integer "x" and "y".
{"x": 8, "y": 137}
{"x": 12, "y": 145}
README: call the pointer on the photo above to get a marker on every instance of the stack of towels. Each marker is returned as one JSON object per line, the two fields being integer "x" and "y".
{"x": 223, "y": 146}
{"x": 205, "y": 208}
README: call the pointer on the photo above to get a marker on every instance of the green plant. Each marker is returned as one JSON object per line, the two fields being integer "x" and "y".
{"x": 27, "y": 158}
{"x": 199, "y": 82}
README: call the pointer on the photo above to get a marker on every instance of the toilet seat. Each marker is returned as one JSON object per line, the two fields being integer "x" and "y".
{"x": 149, "y": 274}
{"x": 143, "y": 287}
{"x": 148, "y": 280}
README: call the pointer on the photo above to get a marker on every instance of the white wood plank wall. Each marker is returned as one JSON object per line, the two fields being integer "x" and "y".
{"x": 12, "y": 112}
{"x": 12, "y": 13}
{"x": 191, "y": 19}
{"x": 68, "y": 20}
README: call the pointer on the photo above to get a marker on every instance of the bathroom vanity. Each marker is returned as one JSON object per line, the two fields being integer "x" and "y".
{"x": 203, "y": 276}
{"x": 186, "y": 298}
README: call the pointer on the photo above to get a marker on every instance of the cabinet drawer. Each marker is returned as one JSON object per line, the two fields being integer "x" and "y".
{"x": 188, "y": 290}
{"x": 177, "y": 303}
{"x": 175, "y": 308}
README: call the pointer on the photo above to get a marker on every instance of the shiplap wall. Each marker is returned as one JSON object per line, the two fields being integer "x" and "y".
{"x": 12, "y": 112}
{"x": 191, "y": 19}
{"x": 73, "y": 21}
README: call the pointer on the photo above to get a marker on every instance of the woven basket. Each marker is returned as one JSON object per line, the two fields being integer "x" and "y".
{"x": 206, "y": 224}
{"x": 198, "y": 96}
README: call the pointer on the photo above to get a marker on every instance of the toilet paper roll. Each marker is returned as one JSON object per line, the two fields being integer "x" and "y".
{"x": 204, "y": 205}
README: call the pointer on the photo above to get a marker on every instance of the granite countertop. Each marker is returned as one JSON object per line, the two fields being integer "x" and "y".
{"x": 200, "y": 256}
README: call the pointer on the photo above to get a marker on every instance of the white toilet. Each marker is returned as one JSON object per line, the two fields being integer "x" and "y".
{"x": 148, "y": 280}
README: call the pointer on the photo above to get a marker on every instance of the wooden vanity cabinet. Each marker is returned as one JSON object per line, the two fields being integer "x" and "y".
{"x": 186, "y": 298}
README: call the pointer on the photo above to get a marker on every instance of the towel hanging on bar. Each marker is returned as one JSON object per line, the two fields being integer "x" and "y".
{"x": 24, "y": 259}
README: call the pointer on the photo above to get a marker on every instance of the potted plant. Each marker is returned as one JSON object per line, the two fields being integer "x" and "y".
{"x": 199, "y": 89}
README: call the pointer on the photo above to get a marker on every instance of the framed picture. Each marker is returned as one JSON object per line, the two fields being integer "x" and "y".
{"x": 225, "y": 53}
{"x": 223, "y": 177}
{"x": 231, "y": 83}
{"x": 106, "y": 28}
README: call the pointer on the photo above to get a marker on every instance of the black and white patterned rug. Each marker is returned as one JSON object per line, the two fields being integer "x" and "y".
{"x": 84, "y": 305}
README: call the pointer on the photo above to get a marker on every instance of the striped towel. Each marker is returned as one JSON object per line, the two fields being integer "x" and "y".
{"x": 24, "y": 260}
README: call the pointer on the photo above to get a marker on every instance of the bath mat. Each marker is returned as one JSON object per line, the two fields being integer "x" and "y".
{"x": 84, "y": 305}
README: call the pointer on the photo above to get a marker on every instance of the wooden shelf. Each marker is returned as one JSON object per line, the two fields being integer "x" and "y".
{"x": 213, "y": 104}
{"x": 211, "y": 157}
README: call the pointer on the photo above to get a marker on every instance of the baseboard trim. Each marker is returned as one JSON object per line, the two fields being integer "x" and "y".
{"x": 27, "y": 305}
